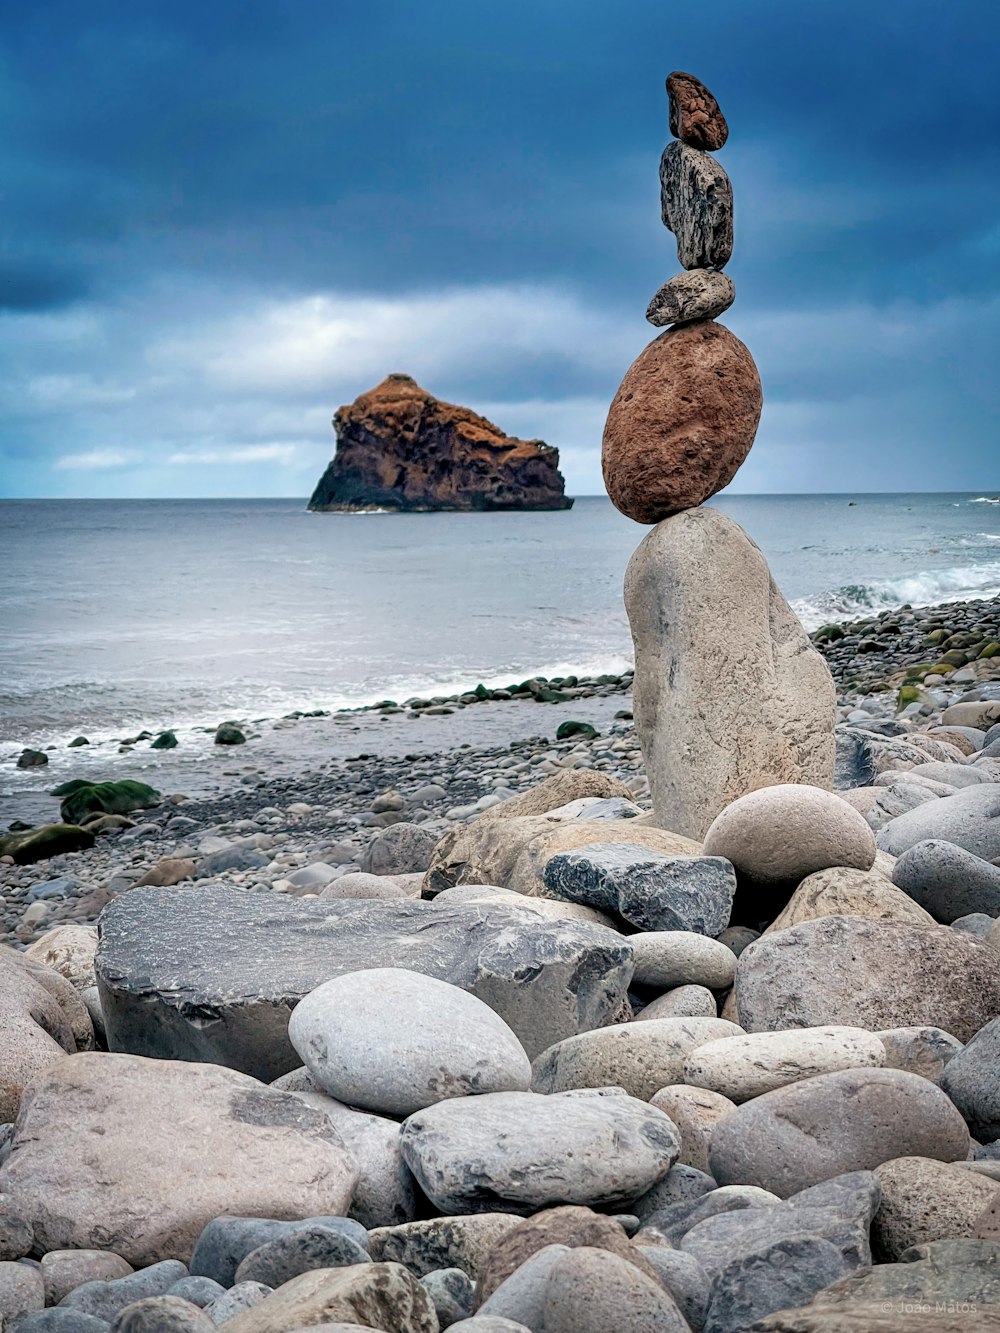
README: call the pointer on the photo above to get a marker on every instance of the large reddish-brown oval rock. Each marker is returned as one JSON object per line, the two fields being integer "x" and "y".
{"x": 694, "y": 113}
{"x": 681, "y": 423}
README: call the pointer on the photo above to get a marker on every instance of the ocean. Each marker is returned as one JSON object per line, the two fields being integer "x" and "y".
{"x": 122, "y": 615}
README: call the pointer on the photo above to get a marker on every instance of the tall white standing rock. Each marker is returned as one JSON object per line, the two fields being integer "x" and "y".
{"x": 729, "y": 693}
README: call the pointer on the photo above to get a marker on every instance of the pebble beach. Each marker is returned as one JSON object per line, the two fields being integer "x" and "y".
{"x": 656, "y": 1000}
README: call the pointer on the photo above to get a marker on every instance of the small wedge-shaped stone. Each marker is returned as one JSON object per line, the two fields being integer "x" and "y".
{"x": 696, "y": 199}
{"x": 701, "y": 293}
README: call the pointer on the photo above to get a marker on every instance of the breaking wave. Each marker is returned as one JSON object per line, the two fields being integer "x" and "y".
{"x": 964, "y": 583}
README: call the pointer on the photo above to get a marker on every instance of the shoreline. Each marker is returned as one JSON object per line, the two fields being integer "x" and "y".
{"x": 869, "y": 658}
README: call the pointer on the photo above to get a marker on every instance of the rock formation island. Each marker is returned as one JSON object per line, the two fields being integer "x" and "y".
{"x": 400, "y": 448}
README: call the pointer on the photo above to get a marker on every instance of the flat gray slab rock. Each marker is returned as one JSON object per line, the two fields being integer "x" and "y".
{"x": 213, "y": 974}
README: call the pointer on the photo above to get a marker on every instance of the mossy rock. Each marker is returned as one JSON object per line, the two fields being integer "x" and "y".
{"x": 38, "y": 844}
{"x": 546, "y": 696}
{"x": 990, "y": 650}
{"x": 165, "y": 741}
{"x": 566, "y": 730}
{"x": 77, "y": 741}
{"x": 936, "y": 636}
{"x": 915, "y": 673}
{"x": 32, "y": 759}
{"x": 228, "y": 733}
{"x": 110, "y": 798}
{"x": 913, "y": 694}
{"x": 942, "y": 669}
{"x": 827, "y": 633}
{"x": 955, "y": 657}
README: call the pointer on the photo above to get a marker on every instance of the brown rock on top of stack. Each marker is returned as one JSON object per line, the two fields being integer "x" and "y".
{"x": 695, "y": 117}
{"x": 681, "y": 423}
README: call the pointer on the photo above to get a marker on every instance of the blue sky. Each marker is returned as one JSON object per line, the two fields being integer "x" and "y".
{"x": 221, "y": 221}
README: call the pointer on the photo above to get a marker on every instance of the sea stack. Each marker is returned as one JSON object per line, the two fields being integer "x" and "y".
{"x": 729, "y": 693}
{"x": 400, "y": 448}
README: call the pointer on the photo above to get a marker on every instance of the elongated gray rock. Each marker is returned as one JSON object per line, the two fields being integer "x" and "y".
{"x": 703, "y": 608}
{"x": 214, "y": 974}
{"x": 521, "y": 1151}
{"x": 970, "y": 819}
{"x": 137, "y": 1156}
{"x": 696, "y": 201}
{"x": 851, "y": 1120}
{"x": 855, "y": 972}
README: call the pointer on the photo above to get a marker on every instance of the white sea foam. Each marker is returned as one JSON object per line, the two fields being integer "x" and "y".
{"x": 962, "y": 583}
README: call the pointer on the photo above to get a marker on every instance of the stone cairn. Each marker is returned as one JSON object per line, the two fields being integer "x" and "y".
{"x": 729, "y": 693}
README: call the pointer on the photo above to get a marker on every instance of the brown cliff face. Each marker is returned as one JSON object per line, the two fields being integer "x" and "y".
{"x": 398, "y": 447}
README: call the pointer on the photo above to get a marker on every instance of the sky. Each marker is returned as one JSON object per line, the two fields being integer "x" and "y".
{"x": 220, "y": 221}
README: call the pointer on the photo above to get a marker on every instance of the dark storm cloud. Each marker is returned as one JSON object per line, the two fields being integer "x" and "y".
{"x": 164, "y": 165}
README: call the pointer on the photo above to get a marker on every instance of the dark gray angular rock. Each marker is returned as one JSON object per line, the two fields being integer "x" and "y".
{"x": 520, "y": 1151}
{"x": 106, "y": 1300}
{"x": 947, "y": 880}
{"x": 452, "y": 1292}
{"x": 213, "y": 974}
{"x": 959, "y": 1270}
{"x": 732, "y": 1237}
{"x": 684, "y": 1277}
{"x": 696, "y": 200}
{"x": 779, "y": 1276}
{"x": 972, "y": 1081}
{"x": 970, "y": 818}
{"x": 226, "y": 1241}
{"x": 163, "y": 1314}
{"x": 681, "y": 1183}
{"x": 854, "y": 765}
{"x": 58, "y": 1320}
{"x": 307, "y": 1247}
{"x": 403, "y": 849}
{"x": 651, "y": 891}
{"x": 200, "y": 1291}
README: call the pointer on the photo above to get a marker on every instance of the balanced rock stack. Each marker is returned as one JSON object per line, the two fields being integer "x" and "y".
{"x": 729, "y": 694}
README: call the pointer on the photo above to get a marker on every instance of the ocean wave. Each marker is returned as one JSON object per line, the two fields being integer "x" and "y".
{"x": 963, "y": 583}
{"x": 986, "y": 500}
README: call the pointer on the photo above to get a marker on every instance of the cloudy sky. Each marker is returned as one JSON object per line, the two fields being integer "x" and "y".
{"x": 222, "y": 220}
